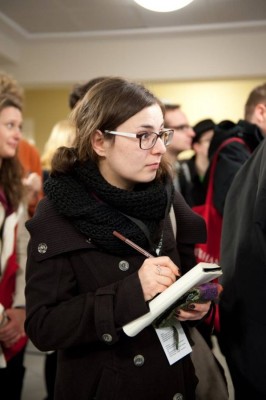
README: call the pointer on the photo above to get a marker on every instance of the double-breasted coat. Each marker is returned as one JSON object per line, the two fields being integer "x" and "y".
{"x": 77, "y": 300}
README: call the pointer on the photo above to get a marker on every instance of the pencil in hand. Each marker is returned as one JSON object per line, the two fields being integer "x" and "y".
{"x": 132, "y": 244}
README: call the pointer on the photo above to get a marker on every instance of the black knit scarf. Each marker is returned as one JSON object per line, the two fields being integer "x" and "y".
{"x": 97, "y": 208}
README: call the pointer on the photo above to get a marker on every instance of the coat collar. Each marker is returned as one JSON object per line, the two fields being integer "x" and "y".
{"x": 52, "y": 234}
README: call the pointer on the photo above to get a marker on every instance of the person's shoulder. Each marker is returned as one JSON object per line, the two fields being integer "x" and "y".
{"x": 45, "y": 216}
{"x": 190, "y": 225}
{"x": 53, "y": 234}
{"x": 45, "y": 206}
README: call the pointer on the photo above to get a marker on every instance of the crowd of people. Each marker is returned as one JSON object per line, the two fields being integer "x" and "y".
{"x": 70, "y": 285}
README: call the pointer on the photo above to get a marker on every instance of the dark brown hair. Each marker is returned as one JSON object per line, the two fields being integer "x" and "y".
{"x": 11, "y": 170}
{"x": 105, "y": 106}
{"x": 79, "y": 91}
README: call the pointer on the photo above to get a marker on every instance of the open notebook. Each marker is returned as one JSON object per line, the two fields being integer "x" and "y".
{"x": 201, "y": 273}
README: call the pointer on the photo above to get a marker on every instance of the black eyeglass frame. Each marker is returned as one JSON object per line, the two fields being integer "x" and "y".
{"x": 139, "y": 136}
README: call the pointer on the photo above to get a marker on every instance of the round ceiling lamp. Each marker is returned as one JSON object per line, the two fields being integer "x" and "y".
{"x": 163, "y": 5}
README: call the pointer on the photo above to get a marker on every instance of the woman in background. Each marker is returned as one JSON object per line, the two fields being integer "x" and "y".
{"x": 13, "y": 244}
{"x": 62, "y": 134}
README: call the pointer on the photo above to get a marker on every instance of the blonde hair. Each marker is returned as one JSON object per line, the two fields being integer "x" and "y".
{"x": 62, "y": 134}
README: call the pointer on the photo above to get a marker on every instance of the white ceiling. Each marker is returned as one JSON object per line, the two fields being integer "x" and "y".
{"x": 48, "y": 42}
{"x": 34, "y": 19}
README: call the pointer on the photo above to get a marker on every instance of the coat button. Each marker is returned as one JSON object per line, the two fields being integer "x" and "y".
{"x": 123, "y": 265}
{"x": 139, "y": 360}
{"x": 178, "y": 396}
{"x": 42, "y": 248}
{"x": 107, "y": 338}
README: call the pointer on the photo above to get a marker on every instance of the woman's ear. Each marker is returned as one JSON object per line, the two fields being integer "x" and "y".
{"x": 98, "y": 143}
{"x": 260, "y": 112}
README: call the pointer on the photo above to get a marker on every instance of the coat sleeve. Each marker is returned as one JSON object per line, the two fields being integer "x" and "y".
{"x": 190, "y": 229}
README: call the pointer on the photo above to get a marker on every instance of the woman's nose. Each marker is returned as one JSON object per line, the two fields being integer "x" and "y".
{"x": 159, "y": 146}
{"x": 17, "y": 133}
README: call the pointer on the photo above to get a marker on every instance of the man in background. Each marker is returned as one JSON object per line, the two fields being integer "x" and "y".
{"x": 251, "y": 130}
{"x": 177, "y": 120}
{"x": 192, "y": 171}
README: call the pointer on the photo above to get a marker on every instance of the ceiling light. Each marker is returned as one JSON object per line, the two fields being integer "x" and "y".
{"x": 163, "y": 5}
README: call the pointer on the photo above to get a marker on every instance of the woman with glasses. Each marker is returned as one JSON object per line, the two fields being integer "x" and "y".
{"x": 84, "y": 283}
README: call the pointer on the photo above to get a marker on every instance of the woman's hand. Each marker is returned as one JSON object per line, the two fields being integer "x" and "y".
{"x": 157, "y": 274}
{"x": 33, "y": 184}
{"x": 198, "y": 311}
{"x": 13, "y": 330}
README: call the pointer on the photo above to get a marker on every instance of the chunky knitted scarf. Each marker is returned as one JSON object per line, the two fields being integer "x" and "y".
{"x": 97, "y": 208}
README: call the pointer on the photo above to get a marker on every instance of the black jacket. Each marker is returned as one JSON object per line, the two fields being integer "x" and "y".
{"x": 77, "y": 300}
{"x": 243, "y": 260}
{"x": 231, "y": 158}
{"x": 191, "y": 186}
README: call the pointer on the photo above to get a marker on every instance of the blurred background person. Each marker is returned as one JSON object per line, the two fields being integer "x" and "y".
{"x": 192, "y": 171}
{"x": 13, "y": 246}
{"x": 79, "y": 91}
{"x": 62, "y": 134}
{"x": 32, "y": 176}
{"x": 251, "y": 129}
{"x": 28, "y": 154}
{"x": 176, "y": 119}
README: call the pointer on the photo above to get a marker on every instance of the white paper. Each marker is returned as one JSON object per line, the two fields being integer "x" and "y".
{"x": 201, "y": 273}
{"x": 166, "y": 337}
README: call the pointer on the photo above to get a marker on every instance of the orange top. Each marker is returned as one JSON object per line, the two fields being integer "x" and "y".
{"x": 30, "y": 159}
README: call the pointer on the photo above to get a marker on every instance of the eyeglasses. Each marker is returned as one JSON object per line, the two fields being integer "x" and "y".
{"x": 147, "y": 140}
{"x": 183, "y": 127}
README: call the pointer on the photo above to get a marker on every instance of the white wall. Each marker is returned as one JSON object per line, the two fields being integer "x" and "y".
{"x": 217, "y": 54}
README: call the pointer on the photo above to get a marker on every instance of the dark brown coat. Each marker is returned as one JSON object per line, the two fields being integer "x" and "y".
{"x": 78, "y": 298}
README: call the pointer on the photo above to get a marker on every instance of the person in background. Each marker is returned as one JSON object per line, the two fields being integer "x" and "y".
{"x": 13, "y": 245}
{"x": 251, "y": 129}
{"x": 28, "y": 155}
{"x": 192, "y": 171}
{"x": 231, "y": 158}
{"x": 176, "y": 119}
{"x": 32, "y": 176}
{"x": 243, "y": 260}
{"x": 79, "y": 91}
{"x": 62, "y": 134}
{"x": 81, "y": 279}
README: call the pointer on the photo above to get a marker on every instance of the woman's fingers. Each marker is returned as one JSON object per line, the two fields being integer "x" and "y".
{"x": 197, "y": 311}
{"x": 157, "y": 274}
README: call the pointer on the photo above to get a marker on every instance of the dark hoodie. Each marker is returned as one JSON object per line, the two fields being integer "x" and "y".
{"x": 231, "y": 157}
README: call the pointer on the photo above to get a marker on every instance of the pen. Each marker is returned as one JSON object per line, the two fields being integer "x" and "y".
{"x": 132, "y": 244}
